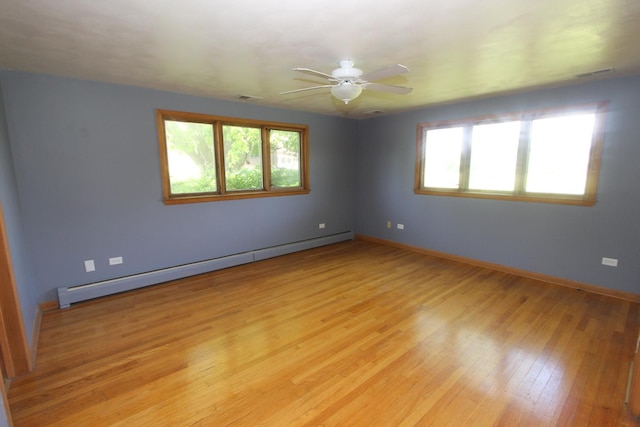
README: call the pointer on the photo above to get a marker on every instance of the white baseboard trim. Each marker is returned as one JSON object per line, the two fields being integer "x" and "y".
{"x": 72, "y": 294}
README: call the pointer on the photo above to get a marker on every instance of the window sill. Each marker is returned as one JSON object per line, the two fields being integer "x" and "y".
{"x": 178, "y": 200}
{"x": 536, "y": 198}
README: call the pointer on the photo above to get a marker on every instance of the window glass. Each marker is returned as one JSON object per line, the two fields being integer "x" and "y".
{"x": 242, "y": 158}
{"x": 494, "y": 155}
{"x": 550, "y": 156}
{"x": 285, "y": 158}
{"x": 192, "y": 167}
{"x": 207, "y": 158}
{"x": 442, "y": 157}
{"x": 559, "y": 154}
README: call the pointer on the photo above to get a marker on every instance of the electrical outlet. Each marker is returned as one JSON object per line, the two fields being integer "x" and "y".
{"x": 388, "y": 224}
{"x": 89, "y": 266}
{"x": 115, "y": 260}
{"x": 611, "y": 262}
{"x": 400, "y": 226}
{"x": 321, "y": 225}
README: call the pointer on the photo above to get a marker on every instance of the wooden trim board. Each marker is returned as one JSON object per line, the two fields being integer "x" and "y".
{"x": 48, "y": 305}
{"x": 35, "y": 334}
{"x": 15, "y": 347}
{"x": 627, "y": 296}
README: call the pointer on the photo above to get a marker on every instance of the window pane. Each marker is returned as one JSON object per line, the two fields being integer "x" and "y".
{"x": 494, "y": 155}
{"x": 559, "y": 154}
{"x": 242, "y": 158}
{"x": 285, "y": 158}
{"x": 442, "y": 150}
{"x": 192, "y": 167}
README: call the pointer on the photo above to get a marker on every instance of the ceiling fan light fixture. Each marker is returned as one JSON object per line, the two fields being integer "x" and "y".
{"x": 346, "y": 91}
{"x": 347, "y": 82}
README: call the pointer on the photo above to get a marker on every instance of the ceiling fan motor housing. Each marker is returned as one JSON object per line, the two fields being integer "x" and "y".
{"x": 346, "y": 71}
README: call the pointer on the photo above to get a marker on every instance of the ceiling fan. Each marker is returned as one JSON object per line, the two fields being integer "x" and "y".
{"x": 347, "y": 82}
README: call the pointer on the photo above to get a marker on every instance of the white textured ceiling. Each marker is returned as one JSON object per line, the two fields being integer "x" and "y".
{"x": 455, "y": 49}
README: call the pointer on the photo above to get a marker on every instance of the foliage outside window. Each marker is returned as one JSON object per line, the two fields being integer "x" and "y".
{"x": 550, "y": 156}
{"x": 207, "y": 158}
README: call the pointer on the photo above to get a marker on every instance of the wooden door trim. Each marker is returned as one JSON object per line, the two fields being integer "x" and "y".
{"x": 17, "y": 356}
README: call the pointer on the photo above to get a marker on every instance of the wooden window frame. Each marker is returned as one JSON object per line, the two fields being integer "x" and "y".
{"x": 519, "y": 194}
{"x": 222, "y": 194}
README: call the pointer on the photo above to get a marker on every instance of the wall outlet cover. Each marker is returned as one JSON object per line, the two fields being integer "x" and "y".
{"x": 115, "y": 260}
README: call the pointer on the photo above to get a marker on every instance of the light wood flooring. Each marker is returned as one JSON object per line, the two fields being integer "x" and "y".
{"x": 352, "y": 334}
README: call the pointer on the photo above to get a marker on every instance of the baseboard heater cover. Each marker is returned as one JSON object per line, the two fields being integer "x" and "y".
{"x": 72, "y": 294}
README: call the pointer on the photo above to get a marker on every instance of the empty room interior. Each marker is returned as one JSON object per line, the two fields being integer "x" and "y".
{"x": 315, "y": 213}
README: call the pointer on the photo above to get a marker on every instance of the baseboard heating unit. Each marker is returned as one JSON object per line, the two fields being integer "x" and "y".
{"x": 72, "y": 294}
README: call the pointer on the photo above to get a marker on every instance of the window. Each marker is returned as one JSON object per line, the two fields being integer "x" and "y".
{"x": 207, "y": 158}
{"x": 548, "y": 156}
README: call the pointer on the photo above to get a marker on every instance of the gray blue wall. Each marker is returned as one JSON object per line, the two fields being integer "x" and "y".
{"x": 87, "y": 165}
{"x": 557, "y": 240}
{"x": 4, "y": 420}
{"x": 88, "y": 187}
{"x": 20, "y": 254}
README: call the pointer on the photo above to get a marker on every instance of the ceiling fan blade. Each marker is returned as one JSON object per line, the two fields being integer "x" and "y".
{"x": 304, "y": 89}
{"x": 400, "y": 90}
{"x": 384, "y": 73}
{"x": 315, "y": 73}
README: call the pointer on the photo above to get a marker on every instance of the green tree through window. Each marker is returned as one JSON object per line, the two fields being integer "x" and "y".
{"x": 242, "y": 157}
{"x": 192, "y": 167}
{"x": 285, "y": 158}
{"x": 205, "y": 158}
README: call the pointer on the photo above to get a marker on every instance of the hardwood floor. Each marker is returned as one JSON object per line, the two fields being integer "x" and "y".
{"x": 352, "y": 334}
